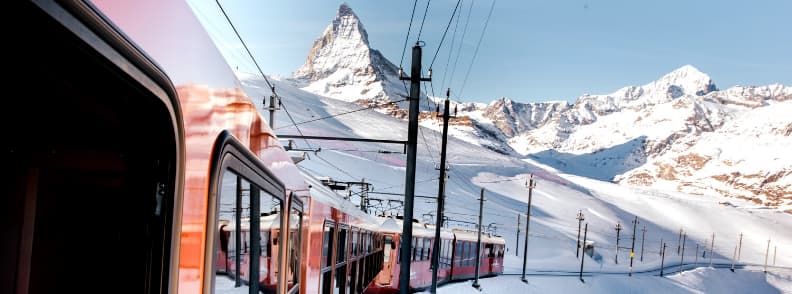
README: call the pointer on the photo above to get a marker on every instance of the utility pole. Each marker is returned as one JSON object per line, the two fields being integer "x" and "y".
{"x": 712, "y": 248}
{"x": 517, "y": 243}
{"x": 478, "y": 242}
{"x": 585, "y": 233}
{"x": 682, "y": 258}
{"x": 580, "y": 219}
{"x": 661, "y": 246}
{"x": 531, "y": 185}
{"x": 440, "y": 195}
{"x": 643, "y": 238}
{"x": 739, "y": 248}
{"x": 662, "y": 259}
{"x": 632, "y": 249}
{"x": 767, "y": 252}
{"x": 618, "y": 229}
{"x": 409, "y": 178}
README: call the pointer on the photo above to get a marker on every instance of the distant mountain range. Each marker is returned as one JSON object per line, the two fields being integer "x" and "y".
{"x": 679, "y": 132}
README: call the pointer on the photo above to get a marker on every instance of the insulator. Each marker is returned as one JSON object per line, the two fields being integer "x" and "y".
{"x": 430, "y": 72}
{"x": 401, "y": 71}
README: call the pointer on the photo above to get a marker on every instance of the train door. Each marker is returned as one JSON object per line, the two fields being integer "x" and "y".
{"x": 91, "y": 159}
{"x": 249, "y": 201}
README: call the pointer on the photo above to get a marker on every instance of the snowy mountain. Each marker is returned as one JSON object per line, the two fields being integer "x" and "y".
{"x": 342, "y": 65}
{"x": 677, "y": 132}
{"x": 556, "y": 200}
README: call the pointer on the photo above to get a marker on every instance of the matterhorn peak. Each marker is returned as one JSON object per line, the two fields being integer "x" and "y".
{"x": 341, "y": 64}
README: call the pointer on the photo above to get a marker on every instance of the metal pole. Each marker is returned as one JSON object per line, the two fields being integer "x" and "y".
{"x": 679, "y": 239}
{"x": 618, "y": 229}
{"x": 682, "y": 258}
{"x": 662, "y": 259}
{"x": 255, "y": 237}
{"x": 440, "y": 196}
{"x": 695, "y": 263}
{"x": 739, "y": 248}
{"x": 272, "y": 109}
{"x": 585, "y": 233}
{"x": 530, "y": 185}
{"x": 517, "y": 243}
{"x": 409, "y": 177}
{"x": 632, "y": 249}
{"x": 643, "y": 238}
{"x": 580, "y": 219}
{"x": 734, "y": 257}
{"x": 478, "y": 243}
{"x": 661, "y": 246}
{"x": 775, "y": 251}
{"x": 238, "y": 233}
{"x": 767, "y": 252}
{"x": 712, "y": 248}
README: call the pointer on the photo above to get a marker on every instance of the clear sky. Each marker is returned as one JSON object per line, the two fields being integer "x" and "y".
{"x": 533, "y": 50}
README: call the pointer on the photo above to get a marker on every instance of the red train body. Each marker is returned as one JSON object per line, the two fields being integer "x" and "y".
{"x": 135, "y": 124}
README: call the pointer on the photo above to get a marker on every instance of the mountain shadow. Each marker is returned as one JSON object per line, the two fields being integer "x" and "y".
{"x": 603, "y": 164}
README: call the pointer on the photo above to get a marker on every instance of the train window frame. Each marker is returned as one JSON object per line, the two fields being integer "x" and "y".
{"x": 230, "y": 154}
{"x": 327, "y": 260}
{"x": 342, "y": 259}
{"x": 295, "y": 204}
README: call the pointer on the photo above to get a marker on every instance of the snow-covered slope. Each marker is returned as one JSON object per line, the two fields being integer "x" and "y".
{"x": 556, "y": 198}
{"x": 342, "y": 65}
{"x": 656, "y": 135}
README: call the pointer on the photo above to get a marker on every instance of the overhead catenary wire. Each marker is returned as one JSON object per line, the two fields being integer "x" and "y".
{"x": 335, "y": 115}
{"x": 420, "y": 30}
{"x": 461, "y": 42}
{"x": 407, "y": 38}
{"x": 444, "y": 34}
{"x": 245, "y": 46}
{"x": 478, "y": 45}
{"x": 451, "y": 48}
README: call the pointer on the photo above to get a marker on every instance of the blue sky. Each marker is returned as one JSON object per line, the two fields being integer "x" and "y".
{"x": 534, "y": 50}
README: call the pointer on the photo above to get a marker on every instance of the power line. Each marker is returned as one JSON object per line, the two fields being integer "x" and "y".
{"x": 461, "y": 42}
{"x": 423, "y": 20}
{"x": 444, "y": 34}
{"x": 407, "y": 38}
{"x": 451, "y": 49}
{"x": 336, "y": 115}
{"x": 470, "y": 66}
{"x": 245, "y": 46}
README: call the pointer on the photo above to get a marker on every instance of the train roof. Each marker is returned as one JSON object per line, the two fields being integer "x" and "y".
{"x": 468, "y": 235}
{"x": 393, "y": 225}
{"x": 321, "y": 193}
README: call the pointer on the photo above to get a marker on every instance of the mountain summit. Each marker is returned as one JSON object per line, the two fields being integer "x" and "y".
{"x": 342, "y": 65}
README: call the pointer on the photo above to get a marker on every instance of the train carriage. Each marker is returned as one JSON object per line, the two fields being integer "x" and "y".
{"x": 131, "y": 121}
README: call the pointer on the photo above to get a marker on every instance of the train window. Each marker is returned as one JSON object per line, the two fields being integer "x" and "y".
{"x": 245, "y": 208}
{"x": 417, "y": 247}
{"x": 387, "y": 250}
{"x": 327, "y": 244}
{"x": 342, "y": 244}
{"x": 457, "y": 253}
{"x": 295, "y": 239}
{"x": 233, "y": 216}
{"x": 355, "y": 239}
{"x": 427, "y": 247}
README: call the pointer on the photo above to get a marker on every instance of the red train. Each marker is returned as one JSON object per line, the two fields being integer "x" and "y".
{"x": 135, "y": 163}
{"x": 457, "y": 256}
